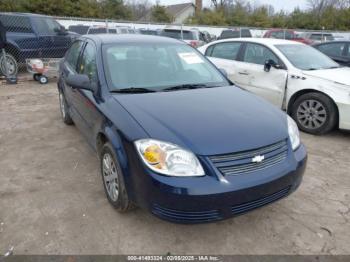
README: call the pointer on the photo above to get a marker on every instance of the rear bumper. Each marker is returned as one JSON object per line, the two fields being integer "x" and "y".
{"x": 344, "y": 116}
{"x": 206, "y": 199}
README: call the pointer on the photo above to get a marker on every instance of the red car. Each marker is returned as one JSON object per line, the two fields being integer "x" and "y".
{"x": 286, "y": 34}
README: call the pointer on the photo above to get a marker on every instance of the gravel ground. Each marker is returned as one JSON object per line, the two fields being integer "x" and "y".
{"x": 52, "y": 200}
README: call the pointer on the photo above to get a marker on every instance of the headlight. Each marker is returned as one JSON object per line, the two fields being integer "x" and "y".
{"x": 168, "y": 159}
{"x": 293, "y": 133}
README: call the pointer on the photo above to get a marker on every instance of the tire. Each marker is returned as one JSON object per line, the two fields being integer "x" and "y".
{"x": 64, "y": 109}
{"x": 43, "y": 80}
{"x": 12, "y": 65}
{"x": 113, "y": 180}
{"x": 36, "y": 77}
{"x": 315, "y": 113}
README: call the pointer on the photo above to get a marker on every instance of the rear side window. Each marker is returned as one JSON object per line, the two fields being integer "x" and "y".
{"x": 258, "y": 54}
{"x": 79, "y": 29}
{"x": 19, "y": 24}
{"x": 334, "y": 49}
{"x": 187, "y": 35}
{"x": 72, "y": 54}
{"x": 227, "y": 50}
{"x": 99, "y": 30}
{"x": 229, "y": 34}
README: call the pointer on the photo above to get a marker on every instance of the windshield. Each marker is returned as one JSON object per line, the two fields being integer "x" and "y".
{"x": 158, "y": 67}
{"x": 306, "y": 58}
{"x": 187, "y": 35}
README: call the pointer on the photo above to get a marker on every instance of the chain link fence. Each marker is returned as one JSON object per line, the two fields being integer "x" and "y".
{"x": 42, "y": 37}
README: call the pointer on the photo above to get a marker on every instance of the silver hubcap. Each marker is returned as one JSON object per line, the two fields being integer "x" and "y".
{"x": 110, "y": 176}
{"x": 11, "y": 66}
{"x": 62, "y": 105}
{"x": 311, "y": 114}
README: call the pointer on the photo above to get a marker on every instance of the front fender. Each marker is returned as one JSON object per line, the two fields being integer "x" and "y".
{"x": 116, "y": 140}
{"x": 298, "y": 82}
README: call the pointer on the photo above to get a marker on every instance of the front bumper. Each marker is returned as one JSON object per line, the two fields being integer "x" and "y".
{"x": 209, "y": 198}
{"x": 344, "y": 116}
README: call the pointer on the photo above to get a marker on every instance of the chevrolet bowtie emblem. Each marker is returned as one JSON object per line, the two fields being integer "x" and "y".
{"x": 258, "y": 159}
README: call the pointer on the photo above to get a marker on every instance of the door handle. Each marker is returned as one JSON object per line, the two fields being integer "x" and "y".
{"x": 243, "y": 73}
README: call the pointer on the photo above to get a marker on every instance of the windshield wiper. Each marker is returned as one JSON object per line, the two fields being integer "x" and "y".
{"x": 187, "y": 86}
{"x": 133, "y": 90}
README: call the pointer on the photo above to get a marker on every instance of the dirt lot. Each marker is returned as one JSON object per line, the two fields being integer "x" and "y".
{"x": 52, "y": 200}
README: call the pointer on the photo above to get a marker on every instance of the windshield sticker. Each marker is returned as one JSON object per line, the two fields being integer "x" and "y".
{"x": 191, "y": 58}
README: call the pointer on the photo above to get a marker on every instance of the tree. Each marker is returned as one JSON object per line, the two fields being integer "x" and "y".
{"x": 160, "y": 15}
{"x": 115, "y": 9}
{"x": 139, "y": 8}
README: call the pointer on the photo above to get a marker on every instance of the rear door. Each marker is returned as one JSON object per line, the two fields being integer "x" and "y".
{"x": 269, "y": 85}
{"x": 224, "y": 56}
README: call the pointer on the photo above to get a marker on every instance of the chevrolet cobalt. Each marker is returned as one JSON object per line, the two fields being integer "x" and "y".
{"x": 172, "y": 134}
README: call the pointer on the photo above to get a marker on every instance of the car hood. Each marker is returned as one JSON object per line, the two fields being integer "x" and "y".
{"x": 208, "y": 121}
{"x": 337, "y": 75}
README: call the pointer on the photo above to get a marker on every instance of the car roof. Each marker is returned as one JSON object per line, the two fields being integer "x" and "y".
{"x": 23, "y": 14}
{"x": 130, "y": 38}
{"x": 332, "y": 42}
{"x": 265, "y": 41}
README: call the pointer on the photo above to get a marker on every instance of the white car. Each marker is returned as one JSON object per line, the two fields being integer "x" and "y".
{"x": 311, "y": 87}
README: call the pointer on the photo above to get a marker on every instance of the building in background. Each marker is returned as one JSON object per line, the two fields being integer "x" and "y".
{"x": 179, "y": 12}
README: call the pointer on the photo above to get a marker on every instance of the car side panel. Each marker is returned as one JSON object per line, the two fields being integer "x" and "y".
{"x": 338, "y": 93}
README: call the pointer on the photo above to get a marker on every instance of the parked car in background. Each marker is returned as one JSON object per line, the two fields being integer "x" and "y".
{"x": 235, "y": 33}
{"x": 35, "y": 36}
{"x": 339, "y": 51}
{"x": 144, "y": 31}
{"x": 192, "y": 37}
{"x": 286, "y": 34}
{"x": 93, "y": 30}
{"x": 173, "y": 135}
{"x": 296, "y": 77}
{"x": 79, "y": 29}
{"x": 316, "y": 38}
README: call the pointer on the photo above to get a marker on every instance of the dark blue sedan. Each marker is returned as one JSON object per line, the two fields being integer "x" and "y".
{"x": 173, "y": 135}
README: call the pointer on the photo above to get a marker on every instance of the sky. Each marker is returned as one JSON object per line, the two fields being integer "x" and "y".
{"x": 286, "y": 5}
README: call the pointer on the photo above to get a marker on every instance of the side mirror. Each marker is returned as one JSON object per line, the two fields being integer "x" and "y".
{"x": 79, "y": 81}
{"x": 270, "y": 63}
{"x": 224, "y": 72}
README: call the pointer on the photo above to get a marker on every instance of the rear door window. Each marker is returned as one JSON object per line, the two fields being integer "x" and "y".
{"x": 19, "y": 24}
{"x": 227, "y": 50}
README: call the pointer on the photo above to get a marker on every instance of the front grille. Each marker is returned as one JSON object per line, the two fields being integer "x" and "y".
{"x": 186, "y": 216}
{"x": 243, "y": 208}
{"x": 241, "y": 162}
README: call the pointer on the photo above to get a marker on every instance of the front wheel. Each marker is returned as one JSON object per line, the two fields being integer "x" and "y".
{"x": 315, "y": 113}
{"x": 64, "y": 109}
{"x": 113, "y": 180}
{"x": 8, "y": 65}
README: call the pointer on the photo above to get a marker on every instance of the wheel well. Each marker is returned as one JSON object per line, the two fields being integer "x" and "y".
{"x": 306, "y": 91}
{"x": 100, "y": 141}
{"x": 13, "y": 50}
